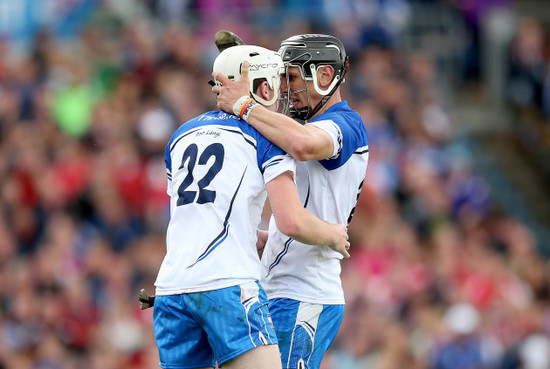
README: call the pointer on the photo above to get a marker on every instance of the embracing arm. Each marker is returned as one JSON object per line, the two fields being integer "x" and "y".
{"x": 302, "y": 142}
{"x": 297, "y": 222}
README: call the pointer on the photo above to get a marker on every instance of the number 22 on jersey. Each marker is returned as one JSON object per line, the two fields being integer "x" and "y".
{"x": 190, "y": 156}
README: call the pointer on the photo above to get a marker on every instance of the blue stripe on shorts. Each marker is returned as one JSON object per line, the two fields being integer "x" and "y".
{"x": 305, "y": 331}
{"x": 199, "y": 329}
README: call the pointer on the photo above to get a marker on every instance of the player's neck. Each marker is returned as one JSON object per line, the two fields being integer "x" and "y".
{"x": 334, "y": 99}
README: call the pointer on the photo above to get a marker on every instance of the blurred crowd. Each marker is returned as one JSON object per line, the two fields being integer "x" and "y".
{"x": 439, "y": 278}
{"x": 528, "y": 88}
{"x": 529, "y": 68}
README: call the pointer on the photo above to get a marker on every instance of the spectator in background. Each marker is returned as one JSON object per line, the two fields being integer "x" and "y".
{"x": 546, "y": 94}
{"x": 474, "y": 14}
{"x": 463, "y": 346}
{"x": 527, "y": 66}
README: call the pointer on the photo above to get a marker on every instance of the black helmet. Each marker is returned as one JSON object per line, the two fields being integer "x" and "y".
{"x": 315, "y": 49}
{"x": 308, "y": 52}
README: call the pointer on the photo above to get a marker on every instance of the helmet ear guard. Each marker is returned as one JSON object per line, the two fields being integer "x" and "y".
{"x": 333, "y": 84}
{"x": 275, "y": 85}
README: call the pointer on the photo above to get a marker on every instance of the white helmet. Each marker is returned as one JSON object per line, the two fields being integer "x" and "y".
{"x": 264, "y": 64}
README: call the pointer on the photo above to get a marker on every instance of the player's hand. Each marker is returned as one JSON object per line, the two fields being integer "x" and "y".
{"x": 262, "y": 239}
{"x": 341, "y": 239}
{"x": 230, "y": 91}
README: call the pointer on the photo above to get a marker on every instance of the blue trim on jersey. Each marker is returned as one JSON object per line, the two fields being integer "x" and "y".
{"x": 274, "y": 162}
{"x": 361, "y": 152}
{"x": 307, "y": 196}
{"x": 354, "y": 134}
{"x": 280, "y": 256}
{"x": 211, "y": 247}
{"x": 265, "y": 150}
{"x": 180, "y": 137}
{"x": 339, "y": 138}
{"x": 215, "y": 243}
{"x": 350, "y": 216}
{"x": 240, "y": 133}
{"x": 287, "y": 244}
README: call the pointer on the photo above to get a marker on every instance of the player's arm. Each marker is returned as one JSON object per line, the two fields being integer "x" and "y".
{"x": 302, "y": 142}
{"x": 261, "y": 241}
{"x": 297, "y": 222}
{"x": 262, "y": 232}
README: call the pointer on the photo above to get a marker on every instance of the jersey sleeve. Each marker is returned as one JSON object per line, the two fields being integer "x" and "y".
{"x": 272, "y": 160}
{"x": 277, "y": 166}
{"x": 168, "y": 161}
{"x": 335, "y": 134}
{"x": 346, "y": 137}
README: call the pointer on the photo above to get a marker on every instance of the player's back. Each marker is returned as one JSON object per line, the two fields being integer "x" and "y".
{"x": 217, "y": 168}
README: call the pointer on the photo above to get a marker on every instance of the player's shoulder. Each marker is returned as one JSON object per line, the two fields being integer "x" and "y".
{"x": 210, "y": 118}
{"x": 341, "y": 113}
{"x": 348, "y": 120}
{"x": 216, "y": 120}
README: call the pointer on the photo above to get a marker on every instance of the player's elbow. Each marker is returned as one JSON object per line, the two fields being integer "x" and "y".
{"x": 302, "y": 149}
{"x": 290, "y": 226}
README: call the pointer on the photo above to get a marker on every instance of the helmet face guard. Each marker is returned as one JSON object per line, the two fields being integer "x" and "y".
{"x": 309, "y": 52}
{"x": 287, "y": 101}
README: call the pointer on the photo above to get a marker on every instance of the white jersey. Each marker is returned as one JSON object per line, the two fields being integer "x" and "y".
{"x": 329, "y": 189}
{"x": 217, "y": 168}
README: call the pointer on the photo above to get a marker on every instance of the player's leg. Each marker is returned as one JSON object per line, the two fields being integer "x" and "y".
{"x": 305, "y": 331}
{"x": 181, "y": 341}
{"x": 238, "y": 325}
{"x": 261, "y": 357}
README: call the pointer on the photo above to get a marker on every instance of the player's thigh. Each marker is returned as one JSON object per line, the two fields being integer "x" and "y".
{"x": 236, "y": 319}
{"x": 261, "y": 357}
{"x": 305, "y": 331}
{"x": 181, "y": 341}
